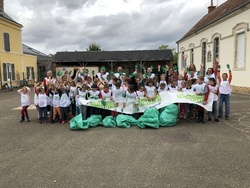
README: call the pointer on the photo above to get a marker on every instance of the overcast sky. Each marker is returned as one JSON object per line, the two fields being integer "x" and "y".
{"x": 59, "y": 25}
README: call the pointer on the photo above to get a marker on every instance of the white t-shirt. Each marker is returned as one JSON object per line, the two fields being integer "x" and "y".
{"x": 42, "y": 100}
{"x": 56, "y": 100}
{"x": 25, "y": 100}
{"x": 150, "y": 90}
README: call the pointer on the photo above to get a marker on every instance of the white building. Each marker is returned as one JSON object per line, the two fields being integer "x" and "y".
{"x": 223, "y": 32}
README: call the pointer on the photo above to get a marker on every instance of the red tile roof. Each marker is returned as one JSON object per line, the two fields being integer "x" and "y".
{"x": 221, "y": 11}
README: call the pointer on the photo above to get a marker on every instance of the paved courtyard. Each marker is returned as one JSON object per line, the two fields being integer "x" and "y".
{"x": 186, "y": 155}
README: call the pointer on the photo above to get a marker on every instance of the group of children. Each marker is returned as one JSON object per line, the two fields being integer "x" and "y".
{"x": 65, "y": 98}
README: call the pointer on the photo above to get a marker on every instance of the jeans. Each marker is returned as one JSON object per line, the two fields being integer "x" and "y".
{"x": 224, "y": 98}
{"x": 83, "y": 110}
{"x": 43, "y": 113}
{"x": 214, "y": 110}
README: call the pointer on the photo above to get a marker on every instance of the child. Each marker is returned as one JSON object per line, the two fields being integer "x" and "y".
{"x": 72, "y": 94}
{"x": 25, "y": 100}
{"x": 162, "y": 87}
{"x": 55, "y": 104}
{"x": 183, "y": 109}
{"x": 201, "y": 89}
{"x": 42, "y": 102}
{"x": 173, "y": 86}
{"x": 213, "y": 87}
{"x": 179, "y": 81}
{"x": 225, "y": 91}
{"x": 36, "y": 99}
{"x": 150, "y": 90}
{"x": 64, "y": 104}
{"x": 117, "y": 96}
{"x": 189, "y": 107}
{"x": 131, "y": 97}
{"x": 94, "y": 94}
{"x": 141, "y": 92}
{"x": 106, "y": 95}
{"x": 83, "y": 94}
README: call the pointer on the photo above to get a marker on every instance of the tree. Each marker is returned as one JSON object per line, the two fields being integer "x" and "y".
{"x": 175, "y": 54}
{"x": 94, "y": 47}
{"x": 163, "y": 47}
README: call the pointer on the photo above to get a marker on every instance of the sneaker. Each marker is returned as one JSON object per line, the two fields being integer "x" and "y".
{"x": 217, "y": 120}
{"x": 219, "y": 116}
{"x": 62, "y": 122}
{"x": 40, "y": 122}
{"x": 203, "y": 122}
{"x": 28, "y": 120}
{"x": 53, "y": 121}
{"x": 209, "y": 119}
{"x": 227, "y": 118}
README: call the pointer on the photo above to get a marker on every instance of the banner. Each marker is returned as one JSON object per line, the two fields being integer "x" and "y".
{"x": 163, "y": 99}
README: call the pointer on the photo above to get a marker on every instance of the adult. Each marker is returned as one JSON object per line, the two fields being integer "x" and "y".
{"x": 48, "y": 80}
{"x": 119, "y": 70}
{"x": 102, "y": 75}
{"x": 211, "y": 72}
{"x": 149, "y": 73}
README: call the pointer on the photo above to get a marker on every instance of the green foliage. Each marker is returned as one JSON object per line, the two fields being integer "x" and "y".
{"x": 94, "y": 47}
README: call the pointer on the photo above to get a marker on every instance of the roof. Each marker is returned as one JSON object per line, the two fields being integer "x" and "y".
{"x": 220, "y": 12}
{"x": 32, "y": 51}
{"x": 7, "y": 17}
{"x": 114, "y": 56}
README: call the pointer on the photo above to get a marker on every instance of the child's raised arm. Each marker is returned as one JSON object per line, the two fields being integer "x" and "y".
{"x": 19, "y": 91}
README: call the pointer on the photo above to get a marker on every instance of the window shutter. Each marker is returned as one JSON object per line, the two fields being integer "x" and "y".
{"x": 27, "y": 73}
{"x": 33, "y": 74}
{"x": 13, "y": 72}
{"x": 6, "y": 42}
{"x": 4, "y": 72}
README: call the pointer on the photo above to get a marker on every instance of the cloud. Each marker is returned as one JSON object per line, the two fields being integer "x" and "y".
{"x": 61, "y": 25}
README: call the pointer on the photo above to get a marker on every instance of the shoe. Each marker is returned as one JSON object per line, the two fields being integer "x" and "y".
{"x": 217, "y": 120}
{"x": 203, "y": 122}
{"x": 22, "y": 119}
{"x": 28, "y": 120}
{"x": 227, "y": 118}
{"x": 40, "y": 122}
{"x": 219, "y": 116}
{"x": 209, "y": 119}
{"x": 53, "y": 121}
{"x": 62, "y": 122}
{"x": 198, "y": 121}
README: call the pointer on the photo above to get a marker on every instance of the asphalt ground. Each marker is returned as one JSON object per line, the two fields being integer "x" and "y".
{"x": 187, "y": 155}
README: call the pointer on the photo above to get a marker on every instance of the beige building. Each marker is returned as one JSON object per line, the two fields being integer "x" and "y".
{"x": 223, "y": 32}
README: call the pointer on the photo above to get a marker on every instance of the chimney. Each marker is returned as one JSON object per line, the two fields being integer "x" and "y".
{"x": 211, "y": 7}
{"x": 1, "y": 5}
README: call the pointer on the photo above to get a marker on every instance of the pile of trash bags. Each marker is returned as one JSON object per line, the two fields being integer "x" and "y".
{"x": 151, "y": 117}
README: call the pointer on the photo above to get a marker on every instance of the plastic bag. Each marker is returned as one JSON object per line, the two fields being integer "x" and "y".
{"x": 150, "y": 118}
{"x": 125, "y": 121}
{"x": 94, "y": 120}
{"x": 77, "y": 123}
{"x": 168, "y": 115}
{"x": 109, "y": 121}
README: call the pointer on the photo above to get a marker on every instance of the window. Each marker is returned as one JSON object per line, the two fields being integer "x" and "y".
{"x": 8, "y": 71}
{"x": 204, "y": 52}
{"x": 191, "y": 56}
{"x": 240, "y": 38}
{"x": 30, "y": 73}
{"x": 183, "y": 62}
{"x": 216, "y": 48}
{"x": 240, "y": 50}
{"x": 6, "y": 38}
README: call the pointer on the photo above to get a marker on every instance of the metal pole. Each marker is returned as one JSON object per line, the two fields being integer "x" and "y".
{"x": 10, "y": 82}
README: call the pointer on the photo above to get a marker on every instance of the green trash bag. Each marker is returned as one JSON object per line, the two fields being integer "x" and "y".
{"x": 125, "y": 121}
{"x": 168, "y": 115}
{"x": 109, "y": 121}
{"x": 150, "y": 118}
{"x": 94, "y": 120}
{"x": 77, "y": 123}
